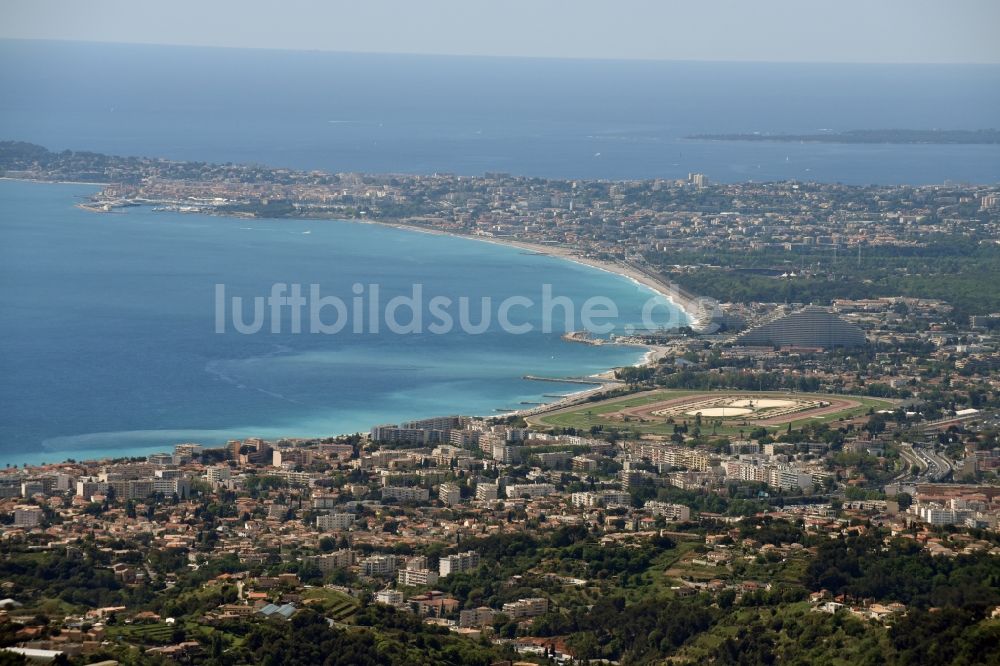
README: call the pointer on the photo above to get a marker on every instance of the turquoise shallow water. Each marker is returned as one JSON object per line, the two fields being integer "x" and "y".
{"x": 109, "y": 342}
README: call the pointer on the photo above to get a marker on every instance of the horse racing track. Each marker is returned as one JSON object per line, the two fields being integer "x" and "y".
{"x": 726, "y": 411}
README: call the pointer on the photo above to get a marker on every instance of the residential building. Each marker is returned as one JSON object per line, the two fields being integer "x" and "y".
{"x": 459, "y": 563}
{"x": 417, "y": 577}
{"x": 476, "y": 617}
{"x": 330, "y": 562}
{"x": 523, "y": 608}
{"x": 450, "y": 494}
{"x": 530, "y": 489}
{"x": 28, "y": 516}
{"x": 406, "y": 493}
{"x": 669, "y": 511}
{"x": 487, "y": 492}
{"x": 334, "y": 521}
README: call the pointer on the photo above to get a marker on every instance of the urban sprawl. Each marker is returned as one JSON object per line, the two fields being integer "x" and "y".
{"x": 806, "y": 472}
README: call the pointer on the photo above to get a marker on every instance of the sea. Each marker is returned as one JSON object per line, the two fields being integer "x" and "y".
{"x": 108, "y": 321}
{"x": 551, "y": 118}
{"x": 112, "y": 343}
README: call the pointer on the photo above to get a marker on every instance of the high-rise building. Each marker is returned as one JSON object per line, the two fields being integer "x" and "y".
{"x": 406, "y": 493}
{"x": 521, "y": 608}
{"x": 812, "y": 326}
{"x": 459, "y": 563}
{"x": 28, "y": 516}
{"x": 417, "y": 577}
{"x": 487, "y": 492}
{"x": 218, "y": 473}
{"x": 332, "y": 561}
{"x": 334, "y": 521}
{"x": 450, "y": 494}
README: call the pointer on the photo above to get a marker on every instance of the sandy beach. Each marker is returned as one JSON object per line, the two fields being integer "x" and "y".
{"x": 664, "y": 289}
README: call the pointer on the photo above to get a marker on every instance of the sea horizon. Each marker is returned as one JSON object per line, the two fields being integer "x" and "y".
{"x": 569, "y": 119}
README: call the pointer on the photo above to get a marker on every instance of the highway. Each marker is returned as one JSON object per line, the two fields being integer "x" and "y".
{"x": 937, "y": 468}
{"x": 933, "y": 466}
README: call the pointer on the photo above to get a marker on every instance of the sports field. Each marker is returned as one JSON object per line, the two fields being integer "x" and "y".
{"x": 724, "y": 412}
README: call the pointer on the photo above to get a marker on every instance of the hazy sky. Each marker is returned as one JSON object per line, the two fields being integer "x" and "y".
{"x": 770, "y": 30}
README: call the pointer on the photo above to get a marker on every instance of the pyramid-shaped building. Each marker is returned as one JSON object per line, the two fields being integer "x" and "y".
{"x": 812, "y": 326}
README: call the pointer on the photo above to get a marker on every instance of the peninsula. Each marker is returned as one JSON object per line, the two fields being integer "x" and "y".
{"x": 901, "y": 136}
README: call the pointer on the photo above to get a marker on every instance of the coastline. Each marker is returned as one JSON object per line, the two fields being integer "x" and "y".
{"x": 665, "y": 290}
{"x": 604, "y": 381}
{"x": 54, "y": 182}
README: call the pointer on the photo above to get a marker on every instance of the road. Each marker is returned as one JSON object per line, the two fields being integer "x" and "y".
{"x": 937, "y": 468}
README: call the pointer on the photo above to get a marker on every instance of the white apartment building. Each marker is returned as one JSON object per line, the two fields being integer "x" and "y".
{"x": 668, "y": 511}
{"x": 330, "y": 562}
{"x": 450, "y": 494}
{"x": 334, "y": 521}
{"x": 460, "y": 563}
{"x": 380, "y": 565}
{"x": 417, "y": 577}
{"x": 516, "y": 490}
{"x": 28, "y": 516}
{"x": 389, "y": 597}
{"x": 406, "y": 493}
{"x": 218, "y": 473}
{"x": 607, "y": 498}
{"x": 487, "y": 492}
{"x": 522, "y": 608}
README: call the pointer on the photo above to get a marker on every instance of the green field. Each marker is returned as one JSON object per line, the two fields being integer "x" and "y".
{"x": 589, "y": 415}
{"x": 333, "y": 604}
{"x": 142, "y": 634}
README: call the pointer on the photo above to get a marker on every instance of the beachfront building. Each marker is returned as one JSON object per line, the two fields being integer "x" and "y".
{"x": 812, "y": 327}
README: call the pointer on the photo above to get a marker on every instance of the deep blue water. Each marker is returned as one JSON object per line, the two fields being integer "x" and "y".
{"x": 108, "y": 321}
{"x": 556, "y": 118}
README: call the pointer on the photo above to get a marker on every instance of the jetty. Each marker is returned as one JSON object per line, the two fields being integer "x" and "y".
{"x": 591, "y": 381}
